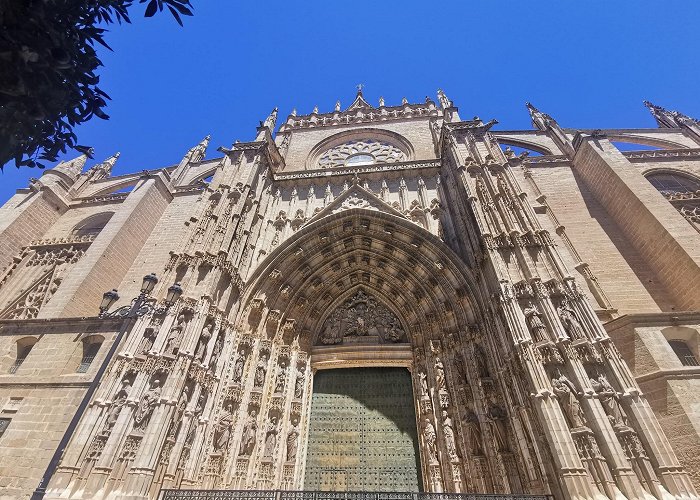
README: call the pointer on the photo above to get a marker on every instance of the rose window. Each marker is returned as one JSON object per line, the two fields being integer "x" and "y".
{"x": 361, "y": 152}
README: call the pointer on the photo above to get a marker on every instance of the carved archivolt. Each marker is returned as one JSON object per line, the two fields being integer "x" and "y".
{"x": 361, "y": 316}
{"x": 361, "y": 152}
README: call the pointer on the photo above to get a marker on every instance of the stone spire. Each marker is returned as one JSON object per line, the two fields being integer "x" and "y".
{"x": 194, "y": 155}
{"x": 104, "y": 169}
{"x": 72, "y": 168}
{"x": 443, "y": 100}
{"x": 541, "y": 121}
{"x": 545, "y": 123}
{"x": 449, "y": 110}
{"x": 674, "y": 119}
{"x": 271, "y": 120}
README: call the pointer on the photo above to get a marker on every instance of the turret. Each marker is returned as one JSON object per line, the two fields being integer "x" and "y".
{"x": 193, "y": 155}
{"x": 674, "y": 119}
{"x": 545, "y": 123}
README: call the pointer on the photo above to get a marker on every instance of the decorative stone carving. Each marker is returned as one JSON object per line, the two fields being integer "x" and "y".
{"x": 260, "y": 370}
{"x": 116, "y": 406}
{"x": 299, "y": 384}
{"x": 149, "y": 338}
{"x": 361, "y": 152}
{"x": 201, "y": 351}
{"x": 480, "y": 361}
{"x": 280, "y": 380}
{"x": 270, "y": 438}
{"x": 172, "y": 343}
{"x": 440, "y": 376}
{"x": 222, "y": 429}
{"x": 216, "y": 351}
{"x": 292, "y": 444}
{"x": 566, "y": 392}
{"x": 474, "y": 432}
{"x": 430, "y": 437}
{"x": 537, "y": 328}
{"x": 423, "y": 378}
{"x": 361, "y": 316}
{"x": 568, "y": 318}
{"x": 179, "y": 411}
{"x": 146, "y": 405}
{"x": 239, "y": 366}
{"x": 499, "y": 426}
{"x": 250, "y": 430}
{"x": 610, "y": 400}
{"x": 449, "y": 433}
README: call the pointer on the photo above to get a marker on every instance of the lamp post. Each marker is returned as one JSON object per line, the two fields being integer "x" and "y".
{"x": 139, "y": 306}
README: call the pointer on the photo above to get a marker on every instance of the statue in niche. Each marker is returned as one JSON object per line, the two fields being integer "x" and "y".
{"x": 201, "y": 351}
{"x": 430, "y": 441}
{"x": 474, "y": 430}
{"x": 449, "y": 433}
{"x": 423, "y": 384}
{"x": 172, "y": 343}
{"x": 201, "y": 402}
{"x": 610, "y": 400}
{"x": 117, "y": 405}
{"x": 299, "y": 384}
{"x": 216, "y": 352}
{"x": 480, "y": 360}
{"x": 147, "y": 404}
{"x": 238, "y": 367}
{"x": 568, "y": 318}
{"x": 535, "y": 323}
{"x": 250, "y": 429}
{"x": 270, "y": 438}
{"x": 566, "y": 392}
{"x": 499, "y": 427}
{"x": 149, "y": 338}
{"x": 180, "y": 408}
{"x": 279, "y": 381}
{"x": 440, "y": 376}
{"x": 222, "y": 428}
{"x": 292, "y": 444}
{"x": 260, "y": 370}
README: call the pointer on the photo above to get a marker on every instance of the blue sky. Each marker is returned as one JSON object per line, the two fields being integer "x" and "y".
{"x": 589, "y": 64}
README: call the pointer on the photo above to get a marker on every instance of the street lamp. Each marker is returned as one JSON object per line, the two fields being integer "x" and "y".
{"x": 149, "y": 282}
{"x": 139, "y": 306}
{"x": 108, "y": 299}
{"x": 174, "y": 293}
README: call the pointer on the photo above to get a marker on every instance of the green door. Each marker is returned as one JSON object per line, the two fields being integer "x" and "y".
{"x": 362, "y": 434}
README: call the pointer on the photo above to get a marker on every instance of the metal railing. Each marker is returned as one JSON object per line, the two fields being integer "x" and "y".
{"x": 334, "y": 495}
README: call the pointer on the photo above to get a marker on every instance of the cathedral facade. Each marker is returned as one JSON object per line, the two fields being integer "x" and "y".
{"x": 378, "y": 298}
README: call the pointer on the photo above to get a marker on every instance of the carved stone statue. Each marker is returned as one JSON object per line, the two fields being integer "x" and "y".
{"x": 216, "y": 352}
{"x": 179, "y": 411}
{"x": 423, "y": 384}
{"x": 149, "y": 338}
{"x": 279, "y": 381}
{"x": 499, "y": 427}
{"x": 222, "y": 429}
{"x": 238, "y": 367}
{"x": 201, "y": 350}
{"x": 250, "y": 429}
{"x": 270, "y": 438}
{"x": 292, "y": 444}
{"x": 260, "y": 370}
{"x": 566, "y": 392}
{"x": 474, "y": 430}
{"x": 299, "y": 384}
{"x": 534, "y": 322}
{"x": 449, "y": 433}
{"x": 610, "y": 400}
{"x": 172, "y": 343}
{"x": 568, "y": 318}
{"x": 480, "y": 360}
{"x": 201, "y": 402}
{"x": 440, "y": 376}
{"x": 147, "y": 403}
{"x": 430, "y": 440}
{"x": 117, "y": 405}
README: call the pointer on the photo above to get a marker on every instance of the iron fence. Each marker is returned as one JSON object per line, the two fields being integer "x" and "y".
{"x": 334, "y": 495}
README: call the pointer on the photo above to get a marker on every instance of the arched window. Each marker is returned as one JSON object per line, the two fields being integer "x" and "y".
{"x": 684, "y": 353}
{"x": 91, "y": 346}
{"x": 92, "y": 225}
{"x": 683, "y": 191}
{"x": 24, "y": 347}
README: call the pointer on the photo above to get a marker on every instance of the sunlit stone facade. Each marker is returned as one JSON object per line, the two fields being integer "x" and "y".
{"x": 374, "y": 298}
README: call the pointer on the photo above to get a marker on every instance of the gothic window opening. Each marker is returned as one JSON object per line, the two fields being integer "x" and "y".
{"x": 684, "y": 353}
{"x": 361, "y": 152}
{"x": 4, "y": 424}
{"x": 24, "y": 347}
{"x": 92, "y": 226}
{"x": 91, "y": 346}
{"x": 682, "y": 191}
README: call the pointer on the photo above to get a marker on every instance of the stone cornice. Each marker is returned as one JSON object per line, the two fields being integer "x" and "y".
{"x": 653, "y": 319}
{"x": 662, "y": 154}
{"x": 343, "y": 171}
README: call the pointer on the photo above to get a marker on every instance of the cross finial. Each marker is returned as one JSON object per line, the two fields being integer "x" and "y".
{"x": 360, "y": 86}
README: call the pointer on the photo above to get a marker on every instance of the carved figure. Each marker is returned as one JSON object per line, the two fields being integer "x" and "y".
{"x": 610, "y": 400}
{"x": 238, "y": 367}
{"x": 499, "y": 427}
{"x": 474, "y": 430}
{"x": 480, "y": 360}
{"x": 423, "y": 384}
{"x": 172, "y": 343}
{"x": 566, "y": 392}
{"x": 260, "y": 370}
{"x": 149, "y": 338}
{"x": 222, "y": 429}
{"x": 292, "y": 444}
{"x": 270, "y": 438}
{"x": 279, "y": 382}
{"x": 568, "y": 318}
{"x": 534, "y": 323}
{"x": 201, "y": 402}
{"x": 430, "y": 441}
{"x": 117, "y": 405}
{"x": 249, "y": 432}
{"x": 299, "y": 384}
{"x": 216, "y": 352}
{"x": 179, "y": 411}
{"x": 201, "y": 350}
{"x": 440, "y": 376}
{"x": 449, "y": 433}
{"x": 147, "y": 403}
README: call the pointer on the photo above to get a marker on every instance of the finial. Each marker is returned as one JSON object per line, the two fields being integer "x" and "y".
{"x": 381, "y": 101}
{"x": 444, "y": 101}
{"x": 315, "y": 111}
{"x": 271, "y": 120}
{"x": 355, "y": 179}
{"x": 539, "y": 119}
{"x": 360, "y": 86}
{"x": 337, "y": 105}
{"x": 404, "y": 100}
{"x": 294, "y": 112}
